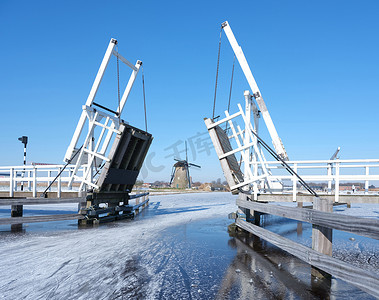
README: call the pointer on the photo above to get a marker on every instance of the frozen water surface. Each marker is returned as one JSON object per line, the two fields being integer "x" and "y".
{"x": 177, "y": 248}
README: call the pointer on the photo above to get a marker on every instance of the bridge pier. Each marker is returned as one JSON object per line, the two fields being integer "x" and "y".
{"x": 16, "y": 211}
{"x": 257, "y": 218}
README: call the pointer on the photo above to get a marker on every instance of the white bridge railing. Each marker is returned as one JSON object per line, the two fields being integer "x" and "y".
{"x": 36, "y": 178}
{"x": 332, "y": 172}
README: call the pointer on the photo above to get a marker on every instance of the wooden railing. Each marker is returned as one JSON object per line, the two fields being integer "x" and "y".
{"x": 323, "y": 222}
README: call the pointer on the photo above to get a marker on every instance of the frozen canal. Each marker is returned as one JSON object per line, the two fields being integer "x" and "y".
{"x": 178, "y": 248}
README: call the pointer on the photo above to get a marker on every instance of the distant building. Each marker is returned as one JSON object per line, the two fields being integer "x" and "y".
{"x": 160, "y": 185}
{"x": 206, "y": 187}
{"x": 349, "y": 187}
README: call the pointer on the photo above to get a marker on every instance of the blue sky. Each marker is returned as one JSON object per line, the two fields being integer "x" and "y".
{"x": 316, "y": 64}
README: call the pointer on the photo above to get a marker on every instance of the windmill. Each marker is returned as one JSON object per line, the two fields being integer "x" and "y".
{"x": 180, "y": 177}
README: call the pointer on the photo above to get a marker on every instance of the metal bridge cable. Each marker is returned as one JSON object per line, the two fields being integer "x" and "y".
{"x": 68, "y": 162}
{"x": 218, "y": 65}
{"x": 231, "y": 83}
{"x": 118, "y": 88}
{"x": 230, "y": 90}
{"x": 98, "y": 170}
{"x": 144, "y": 97}
{"x": 288, "y": 168}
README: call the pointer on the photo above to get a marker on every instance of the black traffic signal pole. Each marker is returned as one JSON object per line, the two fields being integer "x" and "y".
{"x": 24, "y": 140}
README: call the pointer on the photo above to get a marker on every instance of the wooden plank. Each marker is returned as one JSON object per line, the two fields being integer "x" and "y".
{"x": 141, "y": 204}
{"x": 120, "y": 150}
{"x": 138, "y": 158}
{"x": 229, "y": 176}
{"x": 138, "y": 153}
{"x": 121, "y": 176}
{"x": 138, "y": 195}
{"x": 129, "y": 153}
{"x": 142, "y": 135}
{"x": 361, "y": 226}
{"x": 227, "y": 148}
{"x": 125, "y": 161}
{"x": 112, "y": 210}
{"x": 115, "y": 155}
{"x": 115, "y": 218}
{"x": 19, "y": 194}
{"x": 373, "y": 199}
{"x": 144, "y": 140}
{"x": 109, "y": 195}
{"x": 36, "y": 201}
{"x": 35, "y": 219}
{"x": 142, "y": 158}
{"x": 363, "y": 279}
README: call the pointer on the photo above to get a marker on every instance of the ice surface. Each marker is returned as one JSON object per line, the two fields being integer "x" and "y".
{"x": 177, "y": 248}
{"x": 122, "y": 259}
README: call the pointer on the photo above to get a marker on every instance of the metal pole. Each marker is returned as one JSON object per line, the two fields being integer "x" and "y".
{"x": 23, "y": 171}
{"x": 17, "y": 210}
{"x": 24, "y": 140}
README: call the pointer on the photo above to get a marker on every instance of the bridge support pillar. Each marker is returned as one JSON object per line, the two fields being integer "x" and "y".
{"x": 257, "y": 218}
{"x": 16, "y": 211}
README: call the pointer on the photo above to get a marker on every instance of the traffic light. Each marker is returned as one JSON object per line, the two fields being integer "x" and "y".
{"x": 23, "y": 139}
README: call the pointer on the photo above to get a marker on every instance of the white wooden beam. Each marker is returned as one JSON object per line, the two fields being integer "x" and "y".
{"x": 90, "y": 99}
{"x": 124, "y": 60}
{"x": 278, "y": 145}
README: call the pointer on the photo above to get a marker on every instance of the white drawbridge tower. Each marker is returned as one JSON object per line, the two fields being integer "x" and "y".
{"x": 93, "y": 150}
{"x": 239, "y": 149}
{"x": 251, "y": 173}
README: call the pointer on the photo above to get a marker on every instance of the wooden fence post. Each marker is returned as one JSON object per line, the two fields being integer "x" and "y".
{"x": 299, "y": 229}
{"x": 34, "y": 182}
{"x": 367, "y": 172}
{"x": 329, "y": 180}
{"x": 322, "y": 236}
{"x": 11, "y": 183}
{"x": 29, "y": 182}
{"x": 337, "y": 183}
{"x": 59, "y": 185}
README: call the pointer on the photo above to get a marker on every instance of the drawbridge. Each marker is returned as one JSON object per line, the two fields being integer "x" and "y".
{"x": 102, "y": 162}
{"x": 236, "y": 139}
{"x": 259, "y": 182}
